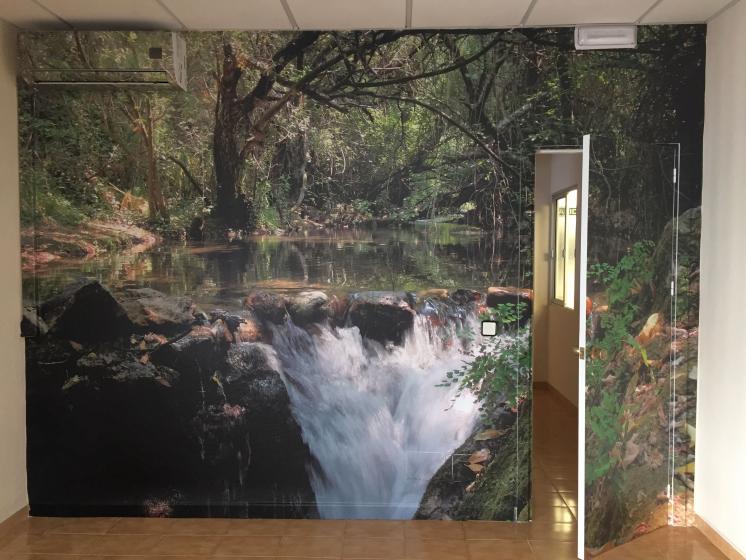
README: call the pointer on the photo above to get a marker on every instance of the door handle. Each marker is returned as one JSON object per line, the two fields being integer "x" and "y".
{"x": 580, "y": 352}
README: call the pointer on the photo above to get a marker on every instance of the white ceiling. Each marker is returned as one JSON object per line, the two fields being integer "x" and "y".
{"x": 346, "y": 14}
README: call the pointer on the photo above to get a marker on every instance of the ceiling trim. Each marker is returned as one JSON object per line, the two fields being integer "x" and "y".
{"x": 646, "y": 12}
{"x": 53, "y": 14}
{"x": 527, "y": 15}
{"x": 170, "y": 12}
{"x": 725, "y": 8}
{"x": 290, "y": 15}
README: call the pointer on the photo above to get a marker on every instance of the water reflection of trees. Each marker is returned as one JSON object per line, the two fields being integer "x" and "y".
{"x": 411, "y": 258}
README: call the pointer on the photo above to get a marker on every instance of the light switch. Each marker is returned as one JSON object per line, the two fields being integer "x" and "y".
{"x": 489, "y": 328}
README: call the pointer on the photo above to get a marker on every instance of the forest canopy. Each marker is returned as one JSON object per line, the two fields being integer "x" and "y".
{"x": 338, "y": 128}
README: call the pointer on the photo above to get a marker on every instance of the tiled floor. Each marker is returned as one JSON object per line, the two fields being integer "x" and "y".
{"x": 551, "y": 536}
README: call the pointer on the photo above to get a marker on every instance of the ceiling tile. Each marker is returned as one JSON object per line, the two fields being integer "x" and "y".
{"x": 472, "y": 13}
{"x": 572, "y": 12}
{"x": 349, "y": 14}
{"x": 118, "y": 14}
{"x": 230, "y": 14}
{"x": 684, "y": 11}
{"x": 28, "y": 15}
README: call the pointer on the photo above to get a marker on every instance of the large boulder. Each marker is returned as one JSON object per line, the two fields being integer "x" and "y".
{"x": 309, "y": 307}
{"x": 199, "y": 351}
{"x": 382, "y": 316}
{"x": 106, "y": 430}
{"x": 267, "y": 306}
{"x": 86, "y": 312}
{"x": 278, "y": 456}
{"x": 153, "y": 311}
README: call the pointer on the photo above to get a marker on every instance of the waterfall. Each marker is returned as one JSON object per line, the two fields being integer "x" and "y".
{"x": 377, "y": 424}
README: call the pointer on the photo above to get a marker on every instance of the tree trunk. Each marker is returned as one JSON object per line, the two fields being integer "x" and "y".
{"x": 156, "y": 203}
{"x": 231, "y": 206}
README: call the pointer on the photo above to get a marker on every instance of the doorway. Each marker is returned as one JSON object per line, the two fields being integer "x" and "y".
{"x": 558, "y": 176}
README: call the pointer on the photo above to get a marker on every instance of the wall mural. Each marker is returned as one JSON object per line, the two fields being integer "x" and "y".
{"x": 261, "y": 296}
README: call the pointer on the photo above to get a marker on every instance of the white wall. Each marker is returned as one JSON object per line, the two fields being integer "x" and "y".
{"x": 720, "y": 488}
{"x": 555, "y": 327}
{"x": 12, "y": 377}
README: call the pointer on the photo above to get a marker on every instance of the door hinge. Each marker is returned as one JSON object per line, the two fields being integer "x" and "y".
{"x": 515, "y": 514}
{"x": 580, "y": 352}
{"x": 675, "y": 175}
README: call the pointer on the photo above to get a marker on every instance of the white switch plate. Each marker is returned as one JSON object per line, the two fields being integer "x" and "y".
{"x": 489, "y": 328}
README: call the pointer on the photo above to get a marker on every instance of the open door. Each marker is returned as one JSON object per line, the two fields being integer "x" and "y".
{"x": 627, "y": 217}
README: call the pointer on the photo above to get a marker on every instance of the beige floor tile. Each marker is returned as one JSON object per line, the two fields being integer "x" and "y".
{"x": 170, "y": 526}
{"x": 310, "y": 547}
{"x": 564, "y": 532}
{"x": 186, "y": 545}
{"x": 422, "y": 529}
{"x": 124, "y": 545}
{"x": 314, "y": 528}
{"x": 491, "y": 530}
{"x": 83, "y": 525}
{"x": 495, "y": 550}
{"x": 248, "y": 546}
{"x": 375, "y": 529}
{"x": 358, "y": 547}
{"x": 49, "y": 544}
{"x": 435, "y": 549}
{"x": 553, "y": 550}
{"x": 257, "y": 527}
{"x": 557, "y": 514}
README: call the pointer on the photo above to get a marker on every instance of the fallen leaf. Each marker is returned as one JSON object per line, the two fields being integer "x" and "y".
{"x": 471, "y": 487}
{"x": 480, "y": 456}
{"x": 77, "y": 346}
{"x": 145, "y": 359}
{"x": 474, "y": 467}
{"x": 487, "y": 434}
{"x": 631, "y": 451}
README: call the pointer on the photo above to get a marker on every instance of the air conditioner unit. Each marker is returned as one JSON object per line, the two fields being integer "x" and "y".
{"x": 110, "y": 59}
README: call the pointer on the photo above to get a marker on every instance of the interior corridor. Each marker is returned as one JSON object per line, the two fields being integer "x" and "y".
{"x": 551, "y": 536}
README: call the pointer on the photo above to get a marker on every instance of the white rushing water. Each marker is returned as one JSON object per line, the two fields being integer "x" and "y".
{"x": 376, "y": 423}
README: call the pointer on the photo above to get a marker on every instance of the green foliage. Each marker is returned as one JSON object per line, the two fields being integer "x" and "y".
{"x": 603, "y": 421}
{"x": 501, "y": 371}
{"x": 620, "y": 282}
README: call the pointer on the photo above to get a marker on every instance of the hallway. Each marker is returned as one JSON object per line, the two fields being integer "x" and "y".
{"x": 551, "y": 536}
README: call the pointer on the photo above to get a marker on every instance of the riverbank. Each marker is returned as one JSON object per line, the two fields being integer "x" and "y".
{"x": 56, "y": 244}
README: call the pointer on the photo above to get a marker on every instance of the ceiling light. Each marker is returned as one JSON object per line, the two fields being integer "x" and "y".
{"x": 589, "y": 37}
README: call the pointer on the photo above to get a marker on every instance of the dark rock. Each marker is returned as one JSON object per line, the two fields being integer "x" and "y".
{"x": 256, "y": 392}
{"x": 252, "y": 378}
{"x": 85, "y": 311}
{"x": 267, "y": 306}
{"x": 200, "y": 351}
{"x": 153, "y": 311}
{"x": 463, "y": 296}
{"x": 32, "y": 324}
{"x": 382, "y": 316}
{"x": 309, "y": 307}
{"x": 243, "y": 326}
{"x": 120, "y": 367}
{"x": 109, "y": 432}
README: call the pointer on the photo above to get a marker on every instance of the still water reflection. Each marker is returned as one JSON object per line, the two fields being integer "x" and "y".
{"x": 408, "y": 258}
